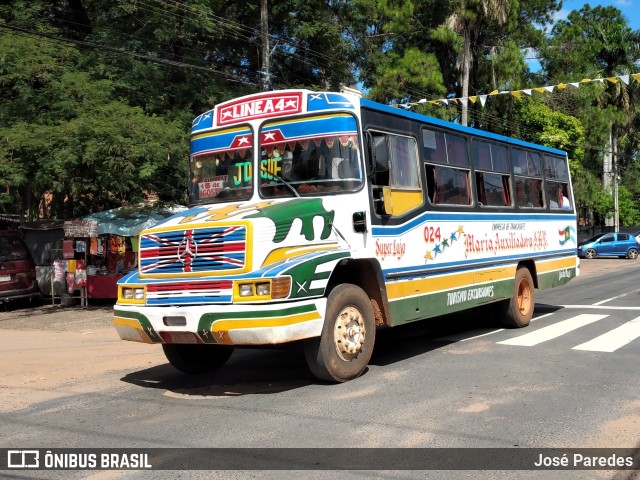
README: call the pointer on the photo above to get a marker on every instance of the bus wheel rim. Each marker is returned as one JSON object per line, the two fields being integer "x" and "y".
{"x": 524, "y": 297}
{"x": 349, "y": 333}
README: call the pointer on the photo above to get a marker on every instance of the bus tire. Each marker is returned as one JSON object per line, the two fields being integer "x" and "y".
{"x": 344, "y": 349}
{"x": 196, "y": 359}
{"x": 518, "y": 310}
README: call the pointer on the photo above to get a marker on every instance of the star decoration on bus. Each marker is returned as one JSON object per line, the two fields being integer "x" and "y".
{"x": 272, "y": 137}
{"x": 292, "y": 103}
{"x": 440, "y": 247}
{"x": 240, "y": 140}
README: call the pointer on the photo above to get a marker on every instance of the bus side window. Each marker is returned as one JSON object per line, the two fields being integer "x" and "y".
{"x": 396, "y": 167}
{"x": 450, "y": 185}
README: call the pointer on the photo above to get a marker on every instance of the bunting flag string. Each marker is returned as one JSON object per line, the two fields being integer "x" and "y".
{"x": 520, "y": 93}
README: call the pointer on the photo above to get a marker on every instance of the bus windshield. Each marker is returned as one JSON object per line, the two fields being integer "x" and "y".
{"x": 310, "y": 156}
{"x": 222, "y": 169}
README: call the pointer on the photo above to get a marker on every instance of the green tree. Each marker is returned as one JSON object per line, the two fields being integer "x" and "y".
{"x": 598, "y": 43}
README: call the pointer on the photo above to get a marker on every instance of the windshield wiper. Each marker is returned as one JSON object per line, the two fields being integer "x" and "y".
{"x": 289, "y": 186}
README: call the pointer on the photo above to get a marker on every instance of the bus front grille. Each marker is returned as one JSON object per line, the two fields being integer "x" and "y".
{"x": 211, "y": 250}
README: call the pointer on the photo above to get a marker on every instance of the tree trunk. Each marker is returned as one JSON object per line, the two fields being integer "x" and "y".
{"x": 466, "y": 67}
{"x": 264, "y": 33}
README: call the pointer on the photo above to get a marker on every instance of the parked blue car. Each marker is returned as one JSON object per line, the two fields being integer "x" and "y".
{"x": 614, "y": 244}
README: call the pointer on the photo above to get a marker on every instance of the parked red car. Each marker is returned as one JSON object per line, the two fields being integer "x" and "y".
{"x": 17, "y": 272}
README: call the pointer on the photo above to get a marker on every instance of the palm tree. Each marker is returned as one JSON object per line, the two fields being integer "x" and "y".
{"x": 467, "y": 20}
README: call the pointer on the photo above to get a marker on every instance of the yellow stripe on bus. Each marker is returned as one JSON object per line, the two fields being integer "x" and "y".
{"x": 397, "y": 290}
{"x": 226, "y": 325}
{"x": 408, "y": 288}
{"x": 289, "y": 252}
{"x": 545, "y": 266}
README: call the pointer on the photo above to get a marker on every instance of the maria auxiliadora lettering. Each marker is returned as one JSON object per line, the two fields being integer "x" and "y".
{"x": 500, "y": 243}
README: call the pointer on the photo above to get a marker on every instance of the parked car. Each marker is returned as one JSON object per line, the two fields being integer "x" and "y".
{"x": 17, "y": 272}
{"x": 614, "y": 244}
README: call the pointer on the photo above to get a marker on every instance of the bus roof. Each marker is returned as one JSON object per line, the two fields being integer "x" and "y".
{"x": 454, "y": 126}
{"x": 283, "y": 103}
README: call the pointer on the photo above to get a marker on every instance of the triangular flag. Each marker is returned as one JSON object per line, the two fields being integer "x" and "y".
{"x": 549, "y": 88}
{"x": 454, "y": 100}
{"x": 473, "y": 99}
{"x": 445, "y": 101}
{"x": 636, "y": 77}
{"x": 495, "y": 92}
{"x": 422, "y": 100}
{"x": 527, "y": 91}
{"x": 540, "y": 89}
{"x": 516, "y": 93}
{"x": 586, "y": 80}
{"x": 575, "y": 84}
{"x": 483, "y": 99}
{"x": 464, "y": 101}
{"x": 613, "y": 80}
{"x": 601, "y": 80}
{"x": 625, "y": 79}
{"x": 561, "y": 86}
{"x": 434, "y": 102}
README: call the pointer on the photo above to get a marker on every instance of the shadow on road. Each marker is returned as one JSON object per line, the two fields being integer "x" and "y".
{"x": 254, "y": 371}
{"x": 247, "y": 372}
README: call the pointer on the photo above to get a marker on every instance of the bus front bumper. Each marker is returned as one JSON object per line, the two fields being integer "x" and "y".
{"x": 221, "y": 324}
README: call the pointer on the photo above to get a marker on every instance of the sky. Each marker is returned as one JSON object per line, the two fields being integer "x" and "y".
{"x": 629, "y": 9}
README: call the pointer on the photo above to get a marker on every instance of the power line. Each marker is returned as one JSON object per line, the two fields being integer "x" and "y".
{"x": 140, "y": 56}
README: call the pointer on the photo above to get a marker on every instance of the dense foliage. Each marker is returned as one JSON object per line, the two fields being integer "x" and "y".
{"x": 97, "y": 96}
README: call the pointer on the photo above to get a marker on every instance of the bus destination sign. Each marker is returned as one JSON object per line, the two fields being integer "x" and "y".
{"x": 262, "y": 106}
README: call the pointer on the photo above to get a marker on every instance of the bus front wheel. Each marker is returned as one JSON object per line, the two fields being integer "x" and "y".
{"x": 196, "y": 358}
{"x": 518, "y": 310}
{"x": 344, "y": 349}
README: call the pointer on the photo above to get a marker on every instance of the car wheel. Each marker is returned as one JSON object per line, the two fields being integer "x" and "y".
{"x": 590, "y": 253}
{"x": 197, "y": 358}
{"x": 344, "y": 349}
{"x": 632, "y": 253}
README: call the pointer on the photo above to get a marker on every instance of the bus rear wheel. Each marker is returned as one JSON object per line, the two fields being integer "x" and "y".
{"x": 518, "y": 310}
{"x": 345, "y": 347}
{"x": 197, "y": 359}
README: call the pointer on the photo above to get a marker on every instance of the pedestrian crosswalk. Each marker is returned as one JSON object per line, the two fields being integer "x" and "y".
{"x": 610, "y": 341}
{"x": 614, "y": 339}
{"x": 553, "y": 331}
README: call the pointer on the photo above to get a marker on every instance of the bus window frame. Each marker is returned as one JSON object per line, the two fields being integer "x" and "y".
{"x": 410, "y": 205}
{"x": 431, "y": 167}
{"x": 505, "y": 174}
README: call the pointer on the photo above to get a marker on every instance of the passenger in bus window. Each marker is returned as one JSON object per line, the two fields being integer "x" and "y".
{"x": 565, "y": 200}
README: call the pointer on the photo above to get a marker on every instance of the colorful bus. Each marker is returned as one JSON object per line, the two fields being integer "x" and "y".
{"x": 318, "y": 217}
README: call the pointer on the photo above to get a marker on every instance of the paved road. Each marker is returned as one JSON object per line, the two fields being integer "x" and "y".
{"x": 568, "y": 380}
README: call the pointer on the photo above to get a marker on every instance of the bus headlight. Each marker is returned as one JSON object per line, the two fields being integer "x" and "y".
{"x": 263, "y": 289}
{"x": 247, "y": 291}
{"x": 130, "y": 294}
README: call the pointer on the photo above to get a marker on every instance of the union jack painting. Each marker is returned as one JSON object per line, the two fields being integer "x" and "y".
{"x": 193, "y": 250}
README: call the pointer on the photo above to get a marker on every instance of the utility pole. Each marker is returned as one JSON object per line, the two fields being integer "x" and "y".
{"x": 616, "y": 181}
{"x": 609, "y": 174}
{"x": 264, "y": 34}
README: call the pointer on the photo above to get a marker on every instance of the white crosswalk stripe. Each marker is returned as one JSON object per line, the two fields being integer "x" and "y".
{"x": 614, "y": 339}
{"x": 553, "y": 331}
